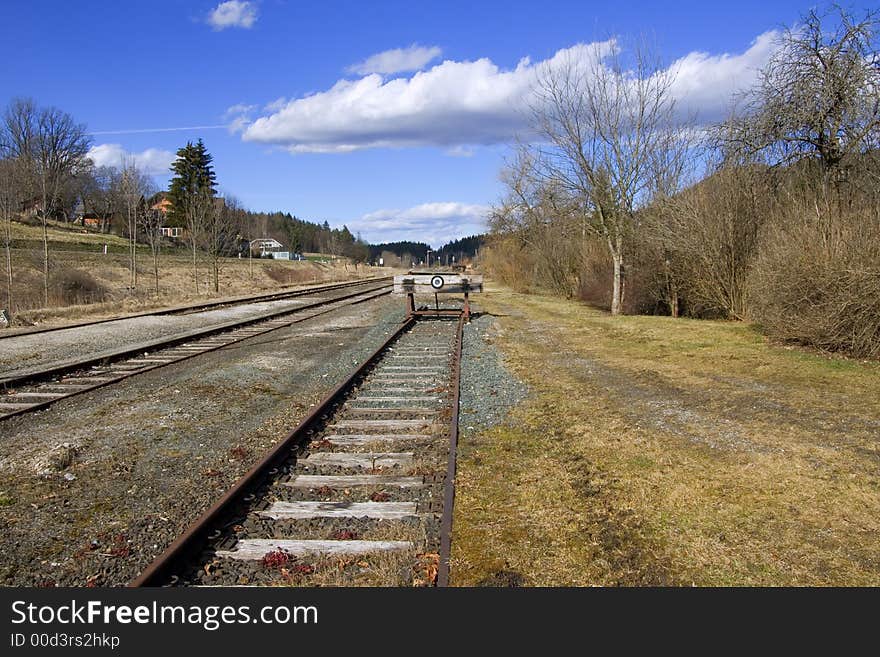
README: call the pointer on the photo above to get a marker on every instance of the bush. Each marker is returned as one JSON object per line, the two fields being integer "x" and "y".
{"x": 817, "y": 277}
{"x": 289, "y": 275}
{"x": 75, "y": 286}
{"x": 509, "y": 263}
{"x": 806, "y": 290}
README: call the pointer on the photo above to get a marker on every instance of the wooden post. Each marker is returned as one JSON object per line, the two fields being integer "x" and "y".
{"x": 467, "y": 307}
{"x": 410, "y": 305}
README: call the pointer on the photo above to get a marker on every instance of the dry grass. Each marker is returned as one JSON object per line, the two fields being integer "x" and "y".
{"x": 110, "y": 274}
{"x": 666, "y": 451}
{"x": 65, "y": 234}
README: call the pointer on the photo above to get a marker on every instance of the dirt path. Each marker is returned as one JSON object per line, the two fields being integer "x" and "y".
{"x": 660, "y": 451}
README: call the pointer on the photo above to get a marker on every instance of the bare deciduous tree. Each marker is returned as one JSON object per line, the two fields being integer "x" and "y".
{"x": 708, "y": 236}
{"x": 219, "y": 233}
{"x": 819, "y": 95}
{"x": 13, "y": 191}
{"x": 151, "y": 221}
{"x": 608, "y": 124}
{"x": 97, "y": 190}
{"x": 817, "y": 103}
{"x": 133, "y": 186}
{"x": 53, "y": 147}
{"x": 539, "y": 216}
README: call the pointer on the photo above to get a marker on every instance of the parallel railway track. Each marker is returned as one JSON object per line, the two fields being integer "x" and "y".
{"x": 200, "y": 307}
{"x": 42, "y": 388}
{"x": 360, "y": 492}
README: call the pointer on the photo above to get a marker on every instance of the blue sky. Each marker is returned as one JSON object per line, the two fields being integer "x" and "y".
{"x": 390, "y": 117}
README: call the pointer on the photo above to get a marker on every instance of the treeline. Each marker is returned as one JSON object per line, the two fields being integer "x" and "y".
{"x": 300, "y": 236}
{"x": 409, "y": 254}
{"x": 461, "y": 249}
{"x": 400, "y": 254}
{"x": 780, "y": 224}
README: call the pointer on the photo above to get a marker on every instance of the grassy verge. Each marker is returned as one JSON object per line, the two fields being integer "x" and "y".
{"x": 102, "y": 281}
{"x": 661, "y": 451}
{"x": 66, "y": 237}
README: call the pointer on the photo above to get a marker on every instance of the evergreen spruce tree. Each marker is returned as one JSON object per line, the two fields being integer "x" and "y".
{"x": 193, "y": 177}
{"x": 191, "y": 193}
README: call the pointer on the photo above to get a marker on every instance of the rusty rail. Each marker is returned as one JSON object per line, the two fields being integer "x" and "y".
{"x": 48, "y": 374}
{"x": 449, "y": 487}
{"x": 194, "y": 537}
{"x": 164, "y": 343}
{"x": 207, "y": 305}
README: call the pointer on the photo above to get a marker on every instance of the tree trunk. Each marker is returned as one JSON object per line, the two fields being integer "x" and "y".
{"x": 156, "y": 266}
{"x": 134, "y": 255}
{"x": 216, "y": 275}
{"x": 131, "y": 284}
{"x": 8, "y": 277}
{"x": 195, "y": 268}
{"x": 45, "y": 259}
{"x": 617, "y": 284}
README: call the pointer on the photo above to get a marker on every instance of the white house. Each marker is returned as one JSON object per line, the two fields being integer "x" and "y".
{"x": 266, "y": 245}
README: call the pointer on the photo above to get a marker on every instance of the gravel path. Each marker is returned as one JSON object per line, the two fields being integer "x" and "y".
{"x": 488, "y": 390}
{"x": 30, "y": 352}
{"x": 94, "y": 487}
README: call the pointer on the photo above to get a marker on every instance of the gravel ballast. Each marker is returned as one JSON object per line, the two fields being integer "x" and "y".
{"x": 488, "y": 389}
{"x": 94, "y": 487}
{"x": 25, "y": 353}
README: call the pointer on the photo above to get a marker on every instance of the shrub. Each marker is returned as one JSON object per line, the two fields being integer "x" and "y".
{"x": 288, "y": 275}
{"x": 808, "y": 290}
{"x": 75, "y": 286}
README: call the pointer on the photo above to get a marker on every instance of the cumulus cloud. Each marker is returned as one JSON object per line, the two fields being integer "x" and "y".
{"x": 434, "y": 223}
{"x": 452, "y": 103}
{"x": 704, "y": 83}
{"x": 468, "y": 103}
{"x": 233, "y": 13}
{"x": 398, "y": 60}
{"x": 152, "y": 161}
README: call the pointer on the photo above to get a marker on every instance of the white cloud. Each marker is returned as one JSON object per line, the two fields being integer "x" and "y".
{"x": 434, "y": 223}
{"x": 237, "y": 110}
{"x": 233, "y": 13}
{"x": 239, "y": 117}
{"x": 467, "y": 103}
{"x": 398, "y": 60}
{"x": 153, "y": 161}
{"x": 706, "y": 83}
{"x": 452, "y": 103}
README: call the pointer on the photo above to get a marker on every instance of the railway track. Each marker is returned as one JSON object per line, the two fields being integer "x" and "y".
{"x": 200, "y": 307}
{"x": 360, "y": 493}
{"x": 39, "y": 389}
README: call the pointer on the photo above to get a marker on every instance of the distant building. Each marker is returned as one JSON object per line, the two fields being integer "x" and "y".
{"x": 265, "y": 246}
{"x": 285, "y": 255}
{"x": 163, "y": 205}
{"x": 94, "y": 220}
